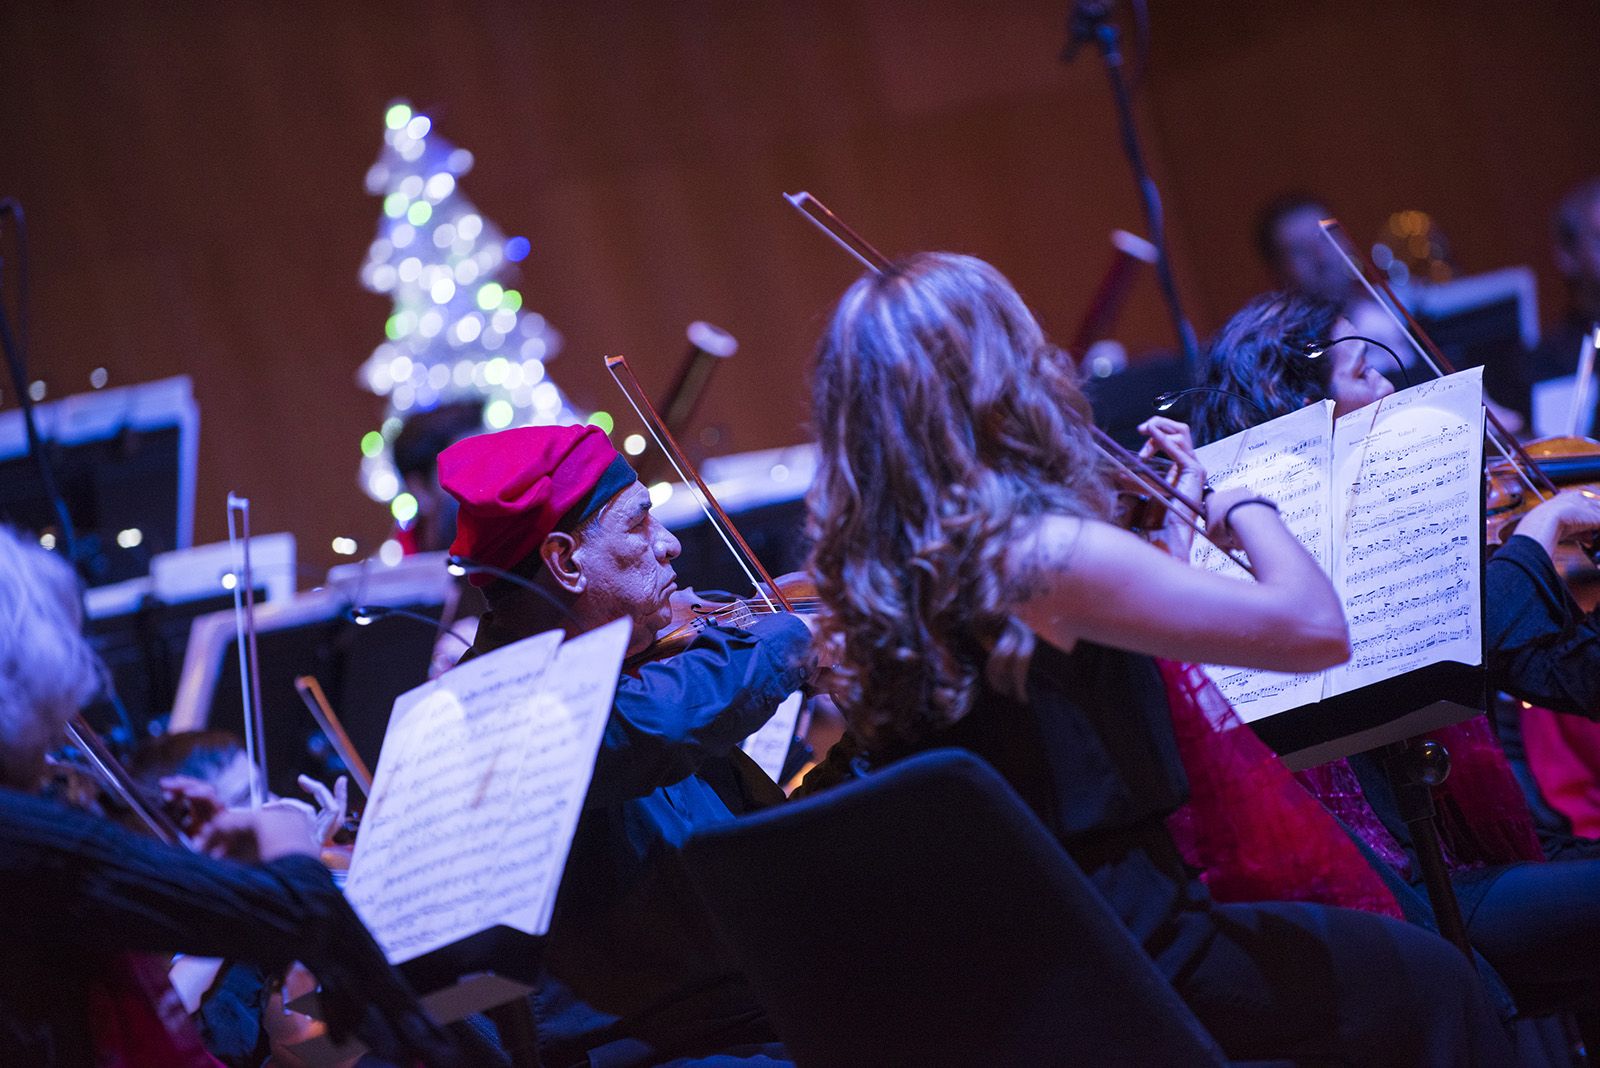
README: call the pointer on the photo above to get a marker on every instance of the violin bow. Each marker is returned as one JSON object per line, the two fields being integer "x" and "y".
{"x": 244, "y": 625}
{"x": 316, "y": 703}
{"x": 746, "y": 558}
{"x": 846, "y": 238}
{"x": 836, "y": 229}
{"x": 1503, "y": 440}
{"x": 1582, "y": 405}
{"x": 119, "y": 782}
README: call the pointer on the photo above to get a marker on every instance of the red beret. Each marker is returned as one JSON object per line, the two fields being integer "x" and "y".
{"x": 514, "y": 486}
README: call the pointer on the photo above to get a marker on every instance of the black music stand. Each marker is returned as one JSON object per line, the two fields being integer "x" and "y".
{"x": 1363, "y": 721}
{"x": 491, "y": 972}
{"x": 363, "y": 667}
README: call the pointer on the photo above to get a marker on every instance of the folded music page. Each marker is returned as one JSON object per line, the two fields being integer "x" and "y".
{"x": 769, "y": 745}
{"x": 1290, "y": 461}
{"x": 478, "y": 790}
{"x": 1408, "y": 483}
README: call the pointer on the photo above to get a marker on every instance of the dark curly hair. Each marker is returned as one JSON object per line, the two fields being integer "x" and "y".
{"x": 947, "y": 427}
{"x": 1261, "y": 354}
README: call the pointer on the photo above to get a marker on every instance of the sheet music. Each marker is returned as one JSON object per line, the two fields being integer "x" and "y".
{"x": 478, "y": 788}
{"x": 1288, "y": 460}
{"x": 1387, "y": 500}
{"x": 1407, "y": 479}
{"x": 568, "y": 718}
{"x": 769, "y": 746}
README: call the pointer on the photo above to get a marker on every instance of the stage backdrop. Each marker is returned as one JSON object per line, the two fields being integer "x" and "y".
{"x": 194, "y": 178}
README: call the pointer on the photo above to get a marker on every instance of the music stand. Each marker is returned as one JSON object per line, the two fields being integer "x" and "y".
{"x": 491, "y": 972}
{"x": 363, "y": 667}
{"x": 125, "y": 462}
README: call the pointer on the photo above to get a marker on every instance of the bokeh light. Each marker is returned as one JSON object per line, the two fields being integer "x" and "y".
{"x": 403, "y": 507}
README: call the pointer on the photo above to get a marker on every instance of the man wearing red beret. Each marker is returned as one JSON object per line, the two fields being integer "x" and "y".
{"x": 634, "y": 972}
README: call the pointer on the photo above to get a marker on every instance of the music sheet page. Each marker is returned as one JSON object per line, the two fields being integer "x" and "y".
{"x": 1289, "y": 461}
{"x": 1408, "y": 472}
{"x": 769, "y": 745}
{"x": 566, "y": 721}
{"x": 479, "y": 783}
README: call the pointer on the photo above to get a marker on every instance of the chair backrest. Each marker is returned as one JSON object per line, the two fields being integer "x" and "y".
{"x": 925, "y": 916}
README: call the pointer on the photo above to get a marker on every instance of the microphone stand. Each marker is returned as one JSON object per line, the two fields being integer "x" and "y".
{"x": 1090, "y": 22}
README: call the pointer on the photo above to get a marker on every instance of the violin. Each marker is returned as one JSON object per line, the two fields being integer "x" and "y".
{"x": 1137, "y": 508}
{"x": 1567, "y": 462}
{"x": 100, "y": 778}
{"x": 692, "y": 614}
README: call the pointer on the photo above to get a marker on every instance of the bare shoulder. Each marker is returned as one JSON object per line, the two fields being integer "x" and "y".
{"x": 1062, "y": 547}
{"x": 1077, "y": 565}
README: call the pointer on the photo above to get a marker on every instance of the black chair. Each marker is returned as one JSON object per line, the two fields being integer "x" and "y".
{"x": 924, "y": 916}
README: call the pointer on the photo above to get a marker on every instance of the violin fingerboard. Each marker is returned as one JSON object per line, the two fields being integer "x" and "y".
{"x": 737, "y": 614}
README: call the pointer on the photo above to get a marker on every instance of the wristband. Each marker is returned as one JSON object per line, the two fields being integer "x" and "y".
{"x": 1236, "y": 505}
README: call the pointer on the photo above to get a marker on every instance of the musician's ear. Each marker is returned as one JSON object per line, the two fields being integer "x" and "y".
{"x": 559, "y": 553}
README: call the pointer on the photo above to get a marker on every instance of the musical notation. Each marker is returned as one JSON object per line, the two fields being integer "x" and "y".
{"x": 1288, "y": 460}
{"x": 1406, "y": 479}
{"x": 1394, "y": 487}
{"x": 1457, "y": 567}
{"x": 478, "y": 792}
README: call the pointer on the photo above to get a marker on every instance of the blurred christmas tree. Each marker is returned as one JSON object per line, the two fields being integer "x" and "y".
{"x": 458, "y": 331}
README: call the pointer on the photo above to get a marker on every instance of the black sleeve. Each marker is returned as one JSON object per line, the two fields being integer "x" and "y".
{"x": 845, "y": 762}
{"x": 699, "y": 704}
{"x": 91, "y": 886}
{"x": 1542, "y": 648}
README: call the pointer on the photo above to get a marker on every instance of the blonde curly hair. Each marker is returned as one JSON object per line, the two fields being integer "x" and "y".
{"x": 947, "y": 427}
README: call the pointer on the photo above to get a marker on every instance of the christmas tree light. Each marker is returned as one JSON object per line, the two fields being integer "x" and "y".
{"x": 458, "y": 331}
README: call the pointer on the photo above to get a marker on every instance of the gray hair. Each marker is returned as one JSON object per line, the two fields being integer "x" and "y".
{"x": 47, "y": 670}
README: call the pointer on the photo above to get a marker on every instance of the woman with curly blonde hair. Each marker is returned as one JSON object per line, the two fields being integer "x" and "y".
{"x": 979, "y": 597}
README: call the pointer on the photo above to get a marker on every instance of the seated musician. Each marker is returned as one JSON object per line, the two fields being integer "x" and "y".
{"x": 85, "y": 898}
{"x": 1538, "y": 924}
{"x": 983, "y": 600}
{"x": 634, "y": 971}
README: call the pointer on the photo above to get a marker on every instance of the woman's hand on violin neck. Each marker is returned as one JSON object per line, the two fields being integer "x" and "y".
{"x": 277, "y": 829}
{"x": 1172, "y": 439}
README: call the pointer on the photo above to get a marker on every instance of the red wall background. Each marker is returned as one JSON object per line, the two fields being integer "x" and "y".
{"x": 193, "y": 178}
